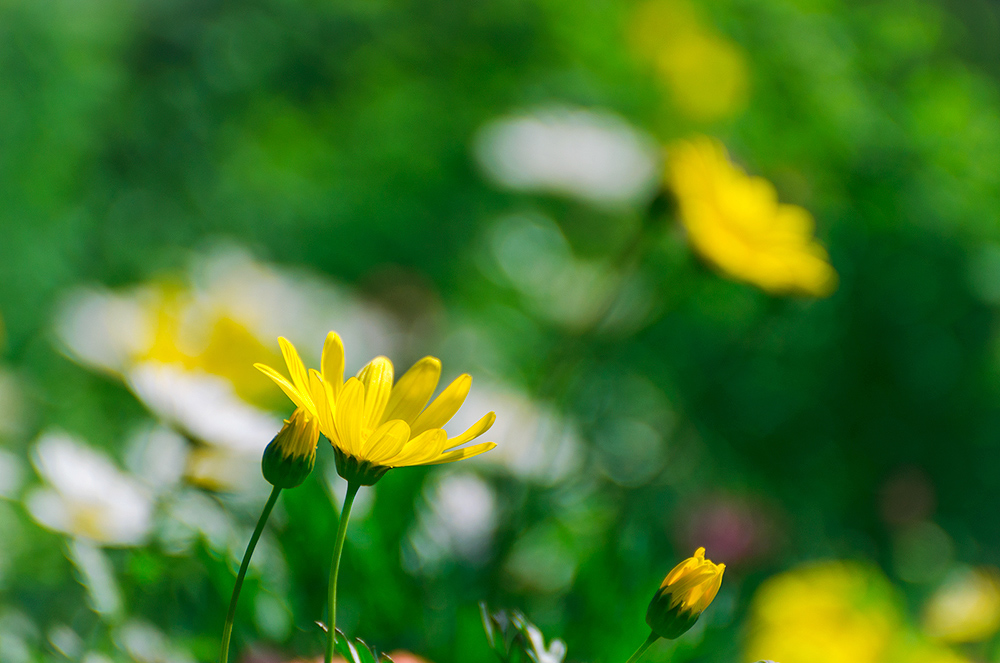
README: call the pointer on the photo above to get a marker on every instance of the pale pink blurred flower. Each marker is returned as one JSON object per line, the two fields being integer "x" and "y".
{"x": 400, "y": 656}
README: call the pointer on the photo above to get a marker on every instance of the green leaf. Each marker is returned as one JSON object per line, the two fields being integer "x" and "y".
{"x": 365, "y": 654}
{"x": 344, "y": 648}
{"x": 514, "y": 639}
{"x": 357, "y": 651}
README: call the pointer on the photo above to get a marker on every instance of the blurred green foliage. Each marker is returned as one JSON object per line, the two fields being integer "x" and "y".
{"x": 338, "y": 136}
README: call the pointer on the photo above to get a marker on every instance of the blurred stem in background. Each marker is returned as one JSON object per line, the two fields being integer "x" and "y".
{"x": 627, "y": 263}
{"x": 338, "y": 548}
{"x": 227, "y": 631}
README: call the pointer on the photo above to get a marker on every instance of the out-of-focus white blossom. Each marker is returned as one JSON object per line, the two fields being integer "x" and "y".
{"x": 457, "y": 519}
{"x": 97, "y": 575}
{"x": 156, "y": 455}
{"x": 147, "y": 644}
{"x": 204, "y": 405}
{"x": 966, "y": 607}
{"x": 535, "y": 257}
{"x": 186, "y": 348}
{"x": 85, "y": 495}
{"x": 593, "y": 155}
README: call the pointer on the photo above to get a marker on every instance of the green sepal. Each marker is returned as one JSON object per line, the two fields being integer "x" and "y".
{"x": 285, "y": 471}
{"x": 666, "y": 621}
{"x": 360, "y": 472}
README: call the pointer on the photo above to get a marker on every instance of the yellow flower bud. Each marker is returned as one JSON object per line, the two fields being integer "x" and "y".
{"x": 291, "y": 455}
{"x": 683, "y": 596}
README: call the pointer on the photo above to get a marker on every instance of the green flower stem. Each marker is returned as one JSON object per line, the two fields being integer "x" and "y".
{"x": 338, "y": 548}
{"x": 643, "y": 647}
{"x": 227, "y": 631}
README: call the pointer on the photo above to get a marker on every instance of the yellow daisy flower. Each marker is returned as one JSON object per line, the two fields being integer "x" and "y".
{"x": 736, "y": 222}
{"x": 374, "y": 424}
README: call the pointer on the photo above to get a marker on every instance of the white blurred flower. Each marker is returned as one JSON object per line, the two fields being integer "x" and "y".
{"x": 593, "y": 155}
{"x": 537, "y": 260}
{"x": 105, "y": 330}
{"x": 18, "y": 637}
{"x": 203, "y": 405}
{"x": 95, "y": 657}
{"x": 97, "y": 575}
{"x": 157, "y": 456}
{"x": 228, "y": 305}
{"x": 191, "y": 515}
{"x": 147, "y": 644}
{"x": 966, "y": 608}
{"x": 554, "y": 653}
{"x": 186, "y": 349}
{"x": 65, "y": 640}
{"x": 86, "y": 495}
{"x": 458, "y": 519}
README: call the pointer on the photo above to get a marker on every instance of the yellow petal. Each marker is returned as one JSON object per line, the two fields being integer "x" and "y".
{"x": 462, "y": 454}
{"x": 709, "y": 590}
{"x": 296, "y": 369}
{"x": 681, "y": 569}
{"x": 421, "y": 449}
{"x": 285, "y": 385}
{"x": 444, "y": 407}
{"x": 322, "y": 396}
{"x": 686, "y": 589}
{"x": 332, "y": 362}
{"x": 376, "y": 376}
{"x": 387, "y": 441}
{"x": 474, "y": 431}
{"x": 349, "y": 416}
{"x": 412, "y": 392}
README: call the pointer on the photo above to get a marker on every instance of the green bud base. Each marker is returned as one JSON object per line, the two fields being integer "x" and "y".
{"x": 360, "y": 472}
{"x": 285, "y": 471}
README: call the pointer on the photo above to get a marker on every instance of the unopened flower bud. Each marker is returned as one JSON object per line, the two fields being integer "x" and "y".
{"x": 684, "y": 594}
{"x": 291, "y": 455}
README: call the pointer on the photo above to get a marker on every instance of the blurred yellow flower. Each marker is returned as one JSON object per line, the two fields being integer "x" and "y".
{"x": 966, "y": 608}
{"x": 683, "y": 595}
{"x": 833, "y": 612}
{"x": 375, "y": 426}
{"x": 217, "y": 343}
{"x": 825, "y": 613}
{"x": 706, "y": 73}
{"x": 736, "y": 222}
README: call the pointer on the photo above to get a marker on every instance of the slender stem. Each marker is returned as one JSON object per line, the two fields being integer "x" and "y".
{"x": 227, "y": 631}
{"x": 643, "y": 647}
{"x": 338, "y": 548}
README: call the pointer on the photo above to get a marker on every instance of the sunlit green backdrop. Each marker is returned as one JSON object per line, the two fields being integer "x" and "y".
{"x": 342, "y": 142}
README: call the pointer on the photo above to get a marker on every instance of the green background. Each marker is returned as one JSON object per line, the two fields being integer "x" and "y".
{"x": 338, "y": 136}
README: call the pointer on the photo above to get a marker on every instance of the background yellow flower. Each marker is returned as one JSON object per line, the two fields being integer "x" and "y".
{"x": 832, "y": 612}
{"x": 736, "y": 222}
{"x": 705, "y": 73}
